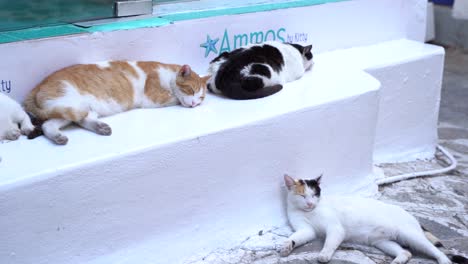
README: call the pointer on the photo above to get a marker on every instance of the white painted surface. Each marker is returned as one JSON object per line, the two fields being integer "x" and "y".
{"x": 193, "y": 179}
{"x": 460, "y": 9}
{"x": 414, "y": 14}
{"x": 430, "y": 22}
{"x": 411, "y": 77}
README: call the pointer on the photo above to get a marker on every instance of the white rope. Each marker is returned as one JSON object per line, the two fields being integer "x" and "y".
{"x": 411, "y": 175}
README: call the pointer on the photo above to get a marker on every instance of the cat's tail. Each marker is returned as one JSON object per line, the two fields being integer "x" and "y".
{"x": 436, "y": 242}
{"x": 31, "y": 106}
{"x": 250, "y": 88}
{"x": 37, "y": 132}
{"x": 36, "y": 113}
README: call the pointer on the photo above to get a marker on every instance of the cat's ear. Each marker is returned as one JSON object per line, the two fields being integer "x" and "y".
{"x": 307, "y": 49}
{"x": 185, "y": 71}
{"x": 319, "y": 179}
{"x": 289, "y": 181}
{"x": 206, "y": 78}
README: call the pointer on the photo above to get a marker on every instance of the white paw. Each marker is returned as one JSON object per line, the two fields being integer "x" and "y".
{"x": 324, "y": 257}
{"x": 402, "y": 258}
{"x": 13, "y": 134}
{"x": 286, "y": 248}
{"x": 60, "y": 139}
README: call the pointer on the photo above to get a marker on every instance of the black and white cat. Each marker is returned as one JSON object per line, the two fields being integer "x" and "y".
{"x": 258, "y": 70}
{"x": 13, "y": 119}
{"x": 360, "y": 220}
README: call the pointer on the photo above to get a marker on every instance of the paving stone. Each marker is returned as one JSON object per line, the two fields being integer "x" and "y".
{"x": 453, "y": 133}
{"x": 315, "y": 246}
{"x": 440, "y": 231}
{"x": 457, "y": 244}
{"x": 333, "y": 261}
{"x": 458, "y": 147}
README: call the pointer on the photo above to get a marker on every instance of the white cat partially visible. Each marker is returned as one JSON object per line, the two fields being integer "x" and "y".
{"x": 13, "y": 119}
{"x": 354, "y": 219}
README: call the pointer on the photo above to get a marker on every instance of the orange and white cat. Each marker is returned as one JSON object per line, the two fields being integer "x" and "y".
{"x": 82, "y": 93}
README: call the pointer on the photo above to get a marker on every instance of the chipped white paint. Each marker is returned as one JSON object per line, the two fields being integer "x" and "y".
{"x": 262, "y": 249}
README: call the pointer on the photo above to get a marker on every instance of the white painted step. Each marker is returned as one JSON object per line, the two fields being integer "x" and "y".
{"x": 410, "y": 74}
{"x": 176, "y": 181}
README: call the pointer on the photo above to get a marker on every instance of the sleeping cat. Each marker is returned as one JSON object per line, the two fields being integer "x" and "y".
{"x": 13, "y": 120}
{"x": 83, "y": 93}
{"x": 360, "y": 220}
{"x": 258, "y": 70}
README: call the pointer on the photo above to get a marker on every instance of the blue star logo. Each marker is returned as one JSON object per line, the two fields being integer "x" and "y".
{"x": 209, "y": 45}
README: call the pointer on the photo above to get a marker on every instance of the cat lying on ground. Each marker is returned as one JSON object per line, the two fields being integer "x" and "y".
{"x": 354, "y": 219}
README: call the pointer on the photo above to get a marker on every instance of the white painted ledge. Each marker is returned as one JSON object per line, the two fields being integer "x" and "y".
{"x": 410, "y": 74}
{"x": 172, "y": 182}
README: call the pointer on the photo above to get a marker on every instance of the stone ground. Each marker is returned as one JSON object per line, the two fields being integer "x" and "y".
{"x": 439, "y": 202}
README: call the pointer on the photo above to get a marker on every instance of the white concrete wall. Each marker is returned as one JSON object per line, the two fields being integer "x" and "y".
{"x": 460, "y": 9}
{"x": 409, "y": 109}
{"x": 192, "y": 180}
{"x": 415, "y": 16}
{"x": 410, "y": 74}
{"x": 430, "y": 23}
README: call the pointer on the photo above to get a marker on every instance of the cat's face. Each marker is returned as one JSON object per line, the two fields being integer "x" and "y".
{"x": 303, "y": 194}
{"x": 191, "y": 88}
{"x": 307, "y": 57}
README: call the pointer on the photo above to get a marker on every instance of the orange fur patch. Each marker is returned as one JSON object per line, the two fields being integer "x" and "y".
{"x": 299, "y": 188}
{"x": 148, "y": 66}
{"x": 154, "y": 91}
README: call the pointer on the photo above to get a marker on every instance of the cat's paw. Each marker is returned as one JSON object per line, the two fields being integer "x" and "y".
{"x": 103, "y": 129}
{"x": 286, "y": 248}
{"x": 403, "y": 258}
{"x": 60, "y": 139}
{"x": 12, "y": 134}
{"x": 324, "y": 257}
{"x": 26, "y": 130}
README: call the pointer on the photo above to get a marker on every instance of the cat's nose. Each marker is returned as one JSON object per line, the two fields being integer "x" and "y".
{"x": 194, "y": 103}
{"x": 309, "y": 204}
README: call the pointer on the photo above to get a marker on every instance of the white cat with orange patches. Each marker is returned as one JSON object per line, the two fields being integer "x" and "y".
{"x": 82, "y": 93}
